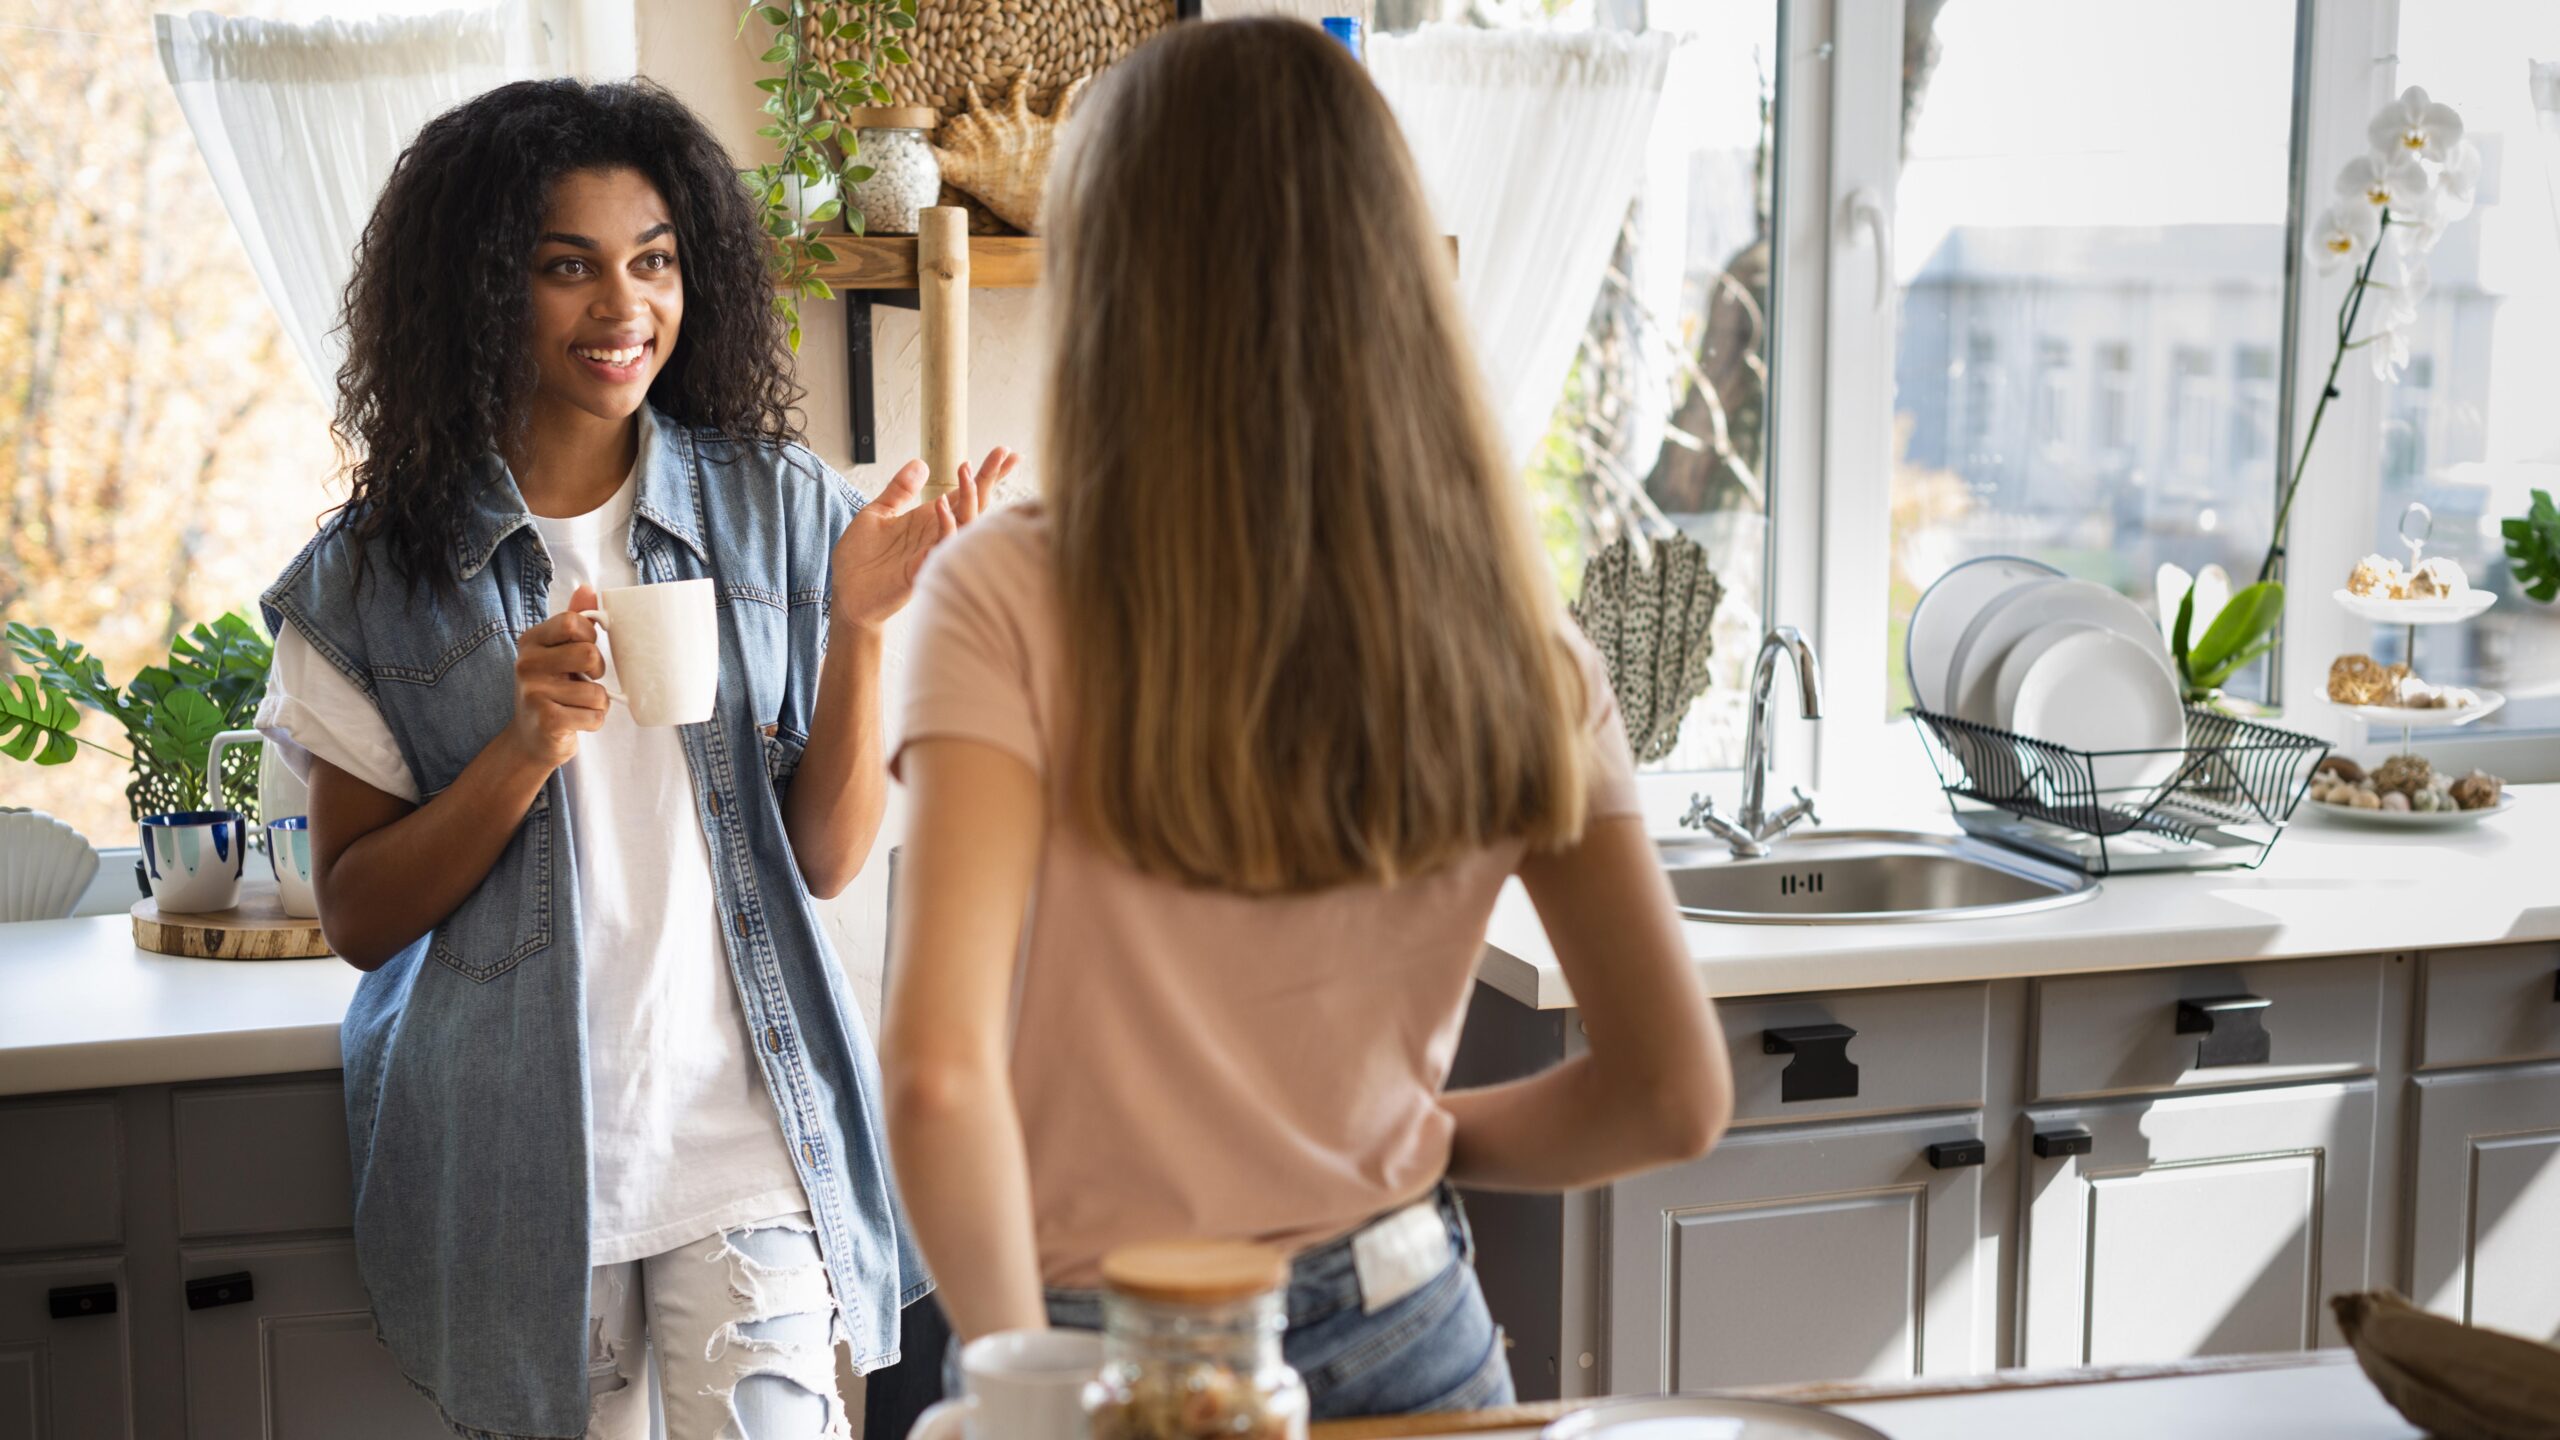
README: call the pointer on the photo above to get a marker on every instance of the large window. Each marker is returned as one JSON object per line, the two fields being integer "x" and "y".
{"x": 2056, "y": 199}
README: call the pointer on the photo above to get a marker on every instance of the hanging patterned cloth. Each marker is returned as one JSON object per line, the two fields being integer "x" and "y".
{"x": 1649, "y": 608}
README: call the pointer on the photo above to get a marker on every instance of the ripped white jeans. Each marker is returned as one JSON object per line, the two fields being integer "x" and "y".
{"x": 743, "y": 1324}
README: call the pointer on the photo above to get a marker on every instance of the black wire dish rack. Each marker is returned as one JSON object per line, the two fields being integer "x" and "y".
{"x": 2220, "y": 800}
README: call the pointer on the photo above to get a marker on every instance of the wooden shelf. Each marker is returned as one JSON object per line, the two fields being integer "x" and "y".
{"x": 888, "y": 262}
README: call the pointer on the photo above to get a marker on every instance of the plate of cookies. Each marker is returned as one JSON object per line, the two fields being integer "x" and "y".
{"x": 2405, "y": 792}
{"x": 2435, "y": 592}
{"x": 2380, "y": 694}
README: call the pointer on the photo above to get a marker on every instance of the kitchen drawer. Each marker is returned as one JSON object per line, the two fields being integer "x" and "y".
{"x": 1916, "y": 1049}
{"x": 2499, "y": 1002}
{"x": 262, "y": 1158}
{"x": 2118, "y": 1033}
{"x": 65, "y": 1186}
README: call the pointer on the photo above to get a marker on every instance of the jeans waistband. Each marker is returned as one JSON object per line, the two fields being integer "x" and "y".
{"x": 1323, "y": 1281}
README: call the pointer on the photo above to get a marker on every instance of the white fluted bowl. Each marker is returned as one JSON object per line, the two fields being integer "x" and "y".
{"x": 45, "y": 866}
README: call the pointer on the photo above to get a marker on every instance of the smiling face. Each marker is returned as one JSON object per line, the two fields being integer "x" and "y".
{"x": 608, "y": 298}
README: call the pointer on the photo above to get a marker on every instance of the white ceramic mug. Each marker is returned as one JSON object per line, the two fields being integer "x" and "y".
{"x": 194, "y": 859}
{"x": 280, "y": 791}
{"x": 1018, "y": 1385}
{"x": 289, "y": 855}
{"x": 662, "y": 649}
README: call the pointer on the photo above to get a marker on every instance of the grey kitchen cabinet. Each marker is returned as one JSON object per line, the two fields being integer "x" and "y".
{"x": 1800, "y": 1253}
{"x": 290, "y": 1353}
{"x": 2207, "y": 1224}
{"x": 2487, "y": 1209}
{"x": 64, "y": 1378}
{"x": 153, "y": 1189}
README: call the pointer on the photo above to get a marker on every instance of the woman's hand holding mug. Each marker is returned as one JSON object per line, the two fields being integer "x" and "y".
{"x": 555, "y": 698}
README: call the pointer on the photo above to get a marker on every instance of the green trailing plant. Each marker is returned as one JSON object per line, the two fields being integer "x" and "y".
{"x": 215, "y": 676}
{"x": 814, "y": 152}
{"x": 2533, "y": 547}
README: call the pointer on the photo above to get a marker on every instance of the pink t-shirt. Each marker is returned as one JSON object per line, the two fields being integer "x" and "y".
{"x": 1191, "y": 1063}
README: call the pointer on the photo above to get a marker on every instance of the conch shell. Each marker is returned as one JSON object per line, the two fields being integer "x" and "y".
{"x": 1001, "y": 155}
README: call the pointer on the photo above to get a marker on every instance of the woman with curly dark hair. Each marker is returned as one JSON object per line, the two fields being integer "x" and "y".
{"x": 607, "y": 1093}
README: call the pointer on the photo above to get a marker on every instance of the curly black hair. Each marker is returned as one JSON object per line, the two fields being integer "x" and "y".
{"x": 439, "y": 371}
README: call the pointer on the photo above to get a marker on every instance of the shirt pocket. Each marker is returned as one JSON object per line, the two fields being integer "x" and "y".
{"x": 507, "y": 920}
{"x": 782, "y": 750}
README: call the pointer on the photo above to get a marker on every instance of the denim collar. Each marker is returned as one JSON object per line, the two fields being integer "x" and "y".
{"x": 666, "y": 497}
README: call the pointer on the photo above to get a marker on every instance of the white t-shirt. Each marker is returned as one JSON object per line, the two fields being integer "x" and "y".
{"x": 684, "y": 1135}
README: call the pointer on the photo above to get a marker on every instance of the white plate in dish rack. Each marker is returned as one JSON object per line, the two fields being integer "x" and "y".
{"x": 1703, "y": 1417}
{"x": 2098, "y": 691}
{"x": 1949, "y": 606}
{"x": 1973, "y": 670}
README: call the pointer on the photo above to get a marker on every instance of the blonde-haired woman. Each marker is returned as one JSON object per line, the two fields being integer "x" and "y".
{"x": 1219, "y": 756}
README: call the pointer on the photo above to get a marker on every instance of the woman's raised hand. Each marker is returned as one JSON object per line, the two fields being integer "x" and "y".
{"x": 557, "y": 692}
{"x": 880, "y": 552}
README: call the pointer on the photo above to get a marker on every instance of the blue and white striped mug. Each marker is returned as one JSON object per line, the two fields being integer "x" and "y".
{"x": 194, "y": 859}
{"x": 289, "y": 855}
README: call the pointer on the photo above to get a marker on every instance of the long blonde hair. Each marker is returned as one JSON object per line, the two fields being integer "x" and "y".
{"x": 1312, "y": 638}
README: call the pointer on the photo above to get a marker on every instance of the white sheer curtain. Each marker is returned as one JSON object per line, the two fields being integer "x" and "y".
{"x": 1530, "y": 144}
{"x": 300, "y": 123}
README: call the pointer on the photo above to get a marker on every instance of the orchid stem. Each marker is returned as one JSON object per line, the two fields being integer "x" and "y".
{"x": 2349, "y": 308}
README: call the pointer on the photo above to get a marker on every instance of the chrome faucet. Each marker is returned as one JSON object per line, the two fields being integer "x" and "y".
{"x": 1750, "y": 833}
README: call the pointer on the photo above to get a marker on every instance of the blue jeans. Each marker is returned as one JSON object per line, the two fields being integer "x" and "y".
{"x": 1435, "y": 1349}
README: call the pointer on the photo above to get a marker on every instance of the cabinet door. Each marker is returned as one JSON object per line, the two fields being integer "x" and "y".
{"x": 2488, "y": 1199}
{"x": 2194, "y": 1225}
{"x": 62, "y": 1379}
{"x": 1830, "y": 1252}
{"x": 296, "y": 1360}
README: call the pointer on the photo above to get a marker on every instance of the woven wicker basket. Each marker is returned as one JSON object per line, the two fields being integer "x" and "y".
{"x": 986, "y": 43}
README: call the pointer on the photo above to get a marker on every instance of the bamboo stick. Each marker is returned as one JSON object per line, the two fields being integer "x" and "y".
{"x": 942, "y": 283}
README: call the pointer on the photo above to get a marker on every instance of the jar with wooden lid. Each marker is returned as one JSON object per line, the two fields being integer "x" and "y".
{"x": 1191, "y": 1346}
{"x": 890, "y": 142}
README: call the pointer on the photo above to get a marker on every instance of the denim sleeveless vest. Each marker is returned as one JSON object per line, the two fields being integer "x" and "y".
{"x": 466, "y": 1053}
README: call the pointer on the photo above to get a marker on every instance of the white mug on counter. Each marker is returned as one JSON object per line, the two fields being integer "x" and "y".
{"x": 289, "y": 855}
{"x": 1018, "y": 1385}
{"x": 662, "y": 647}
{"x": 194, "y": 859}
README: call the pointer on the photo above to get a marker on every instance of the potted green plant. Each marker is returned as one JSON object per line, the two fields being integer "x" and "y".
{"x": 2393, "y": 204}
{"x": 817, "y": 158}
{"x": 215, "y": 676}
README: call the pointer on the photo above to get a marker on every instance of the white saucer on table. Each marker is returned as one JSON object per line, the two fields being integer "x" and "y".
{"x": 2099, "y": 691}
{"x": 1973, "y": 668}
{"x": 2408, "y": 819}
{"x": 1944, "y": 612}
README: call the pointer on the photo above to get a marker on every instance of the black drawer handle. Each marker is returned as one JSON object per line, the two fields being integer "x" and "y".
{"x": 75, "y": 1302}
{"x": 233, "y": 1289}
{"x": 2053, "y": 1144}
{"x": 1822, "y": 1069}
{"x": 2234, "y": 1029}
{"x": 1954, "y": 1154}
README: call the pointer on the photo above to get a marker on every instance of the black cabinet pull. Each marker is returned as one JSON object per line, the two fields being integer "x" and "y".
{"x": 2052, "y": 1144}
{"x": 1955, "y": 1154}
{"x": 2234, "y": 1030}
{"x": 212, "y": 1290}
{"x": 74, "y": 1302}
{"x": 1822, "y": 1069}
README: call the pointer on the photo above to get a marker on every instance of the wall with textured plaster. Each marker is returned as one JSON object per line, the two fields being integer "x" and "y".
{"x": 692, "y": 47}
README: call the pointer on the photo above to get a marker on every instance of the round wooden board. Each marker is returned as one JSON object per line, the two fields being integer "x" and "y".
{"x": 255, "y": 929}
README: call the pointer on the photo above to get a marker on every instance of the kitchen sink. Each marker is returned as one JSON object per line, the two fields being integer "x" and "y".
{"x": 1866, "y": 877}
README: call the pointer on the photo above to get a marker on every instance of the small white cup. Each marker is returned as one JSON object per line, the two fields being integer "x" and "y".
{"x": 662, "y": 646}
{"x": 289, "y": 855}
{"x": 195, "y": 859}
{"x": 1019, "y": 1385}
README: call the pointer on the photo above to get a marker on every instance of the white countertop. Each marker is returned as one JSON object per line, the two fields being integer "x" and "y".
{"x": 2328, "y": 888}
{"x": 81, "y": 1007}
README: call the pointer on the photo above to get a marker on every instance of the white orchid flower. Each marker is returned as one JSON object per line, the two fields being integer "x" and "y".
{"x": 2457, "y": 185}
{"x": 2389, "y": 350}
{"x": 2345, "y": 233}
{"x": 2396, "y": 184}
{"x": 2414, "y": 127}
{"x": 2543, "y": 77}
{"x": 2403, "y": 281}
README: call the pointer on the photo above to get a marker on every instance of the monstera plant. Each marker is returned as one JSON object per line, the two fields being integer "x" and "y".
{"x": 215, "y": 676}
